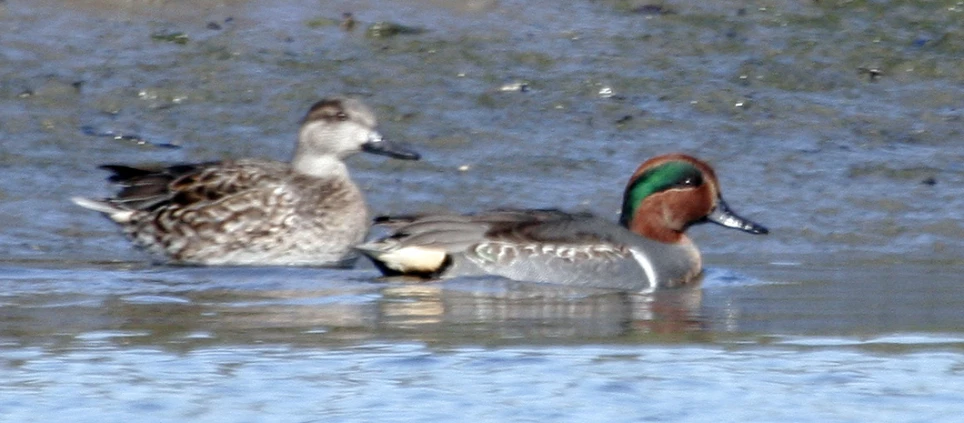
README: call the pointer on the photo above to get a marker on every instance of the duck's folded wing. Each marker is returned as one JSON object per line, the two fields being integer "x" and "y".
{"x": 453, "y": 232}
{"x": 146, "y": 188}
{"x": 555, "y": 227}
{"x": 184, "y": 184}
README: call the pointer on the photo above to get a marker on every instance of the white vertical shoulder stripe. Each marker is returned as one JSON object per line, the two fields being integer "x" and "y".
{"x": 647, "y": 267}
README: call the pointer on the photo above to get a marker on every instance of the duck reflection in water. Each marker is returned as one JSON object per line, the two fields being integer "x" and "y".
{"x": 475, "y": 309}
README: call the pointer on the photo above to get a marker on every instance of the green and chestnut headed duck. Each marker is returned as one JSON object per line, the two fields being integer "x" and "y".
{"x": 257, "y": 212}
{"x": 647, "y": 250}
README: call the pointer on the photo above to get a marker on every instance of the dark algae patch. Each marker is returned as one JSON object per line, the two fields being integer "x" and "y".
{"x": 171, "y": 37}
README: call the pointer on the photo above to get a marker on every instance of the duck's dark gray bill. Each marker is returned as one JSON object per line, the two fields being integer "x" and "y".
{"x": 387, "y": 148}
{"x": 722, "y": 215}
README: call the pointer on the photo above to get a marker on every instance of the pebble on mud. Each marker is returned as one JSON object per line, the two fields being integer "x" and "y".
{"x": 873, "y": 74}
{"x": 653, "y": 10}
{"x": 515, "y": 87}
{"x": 391, "y": 29}
{"x": 347, "y": 22}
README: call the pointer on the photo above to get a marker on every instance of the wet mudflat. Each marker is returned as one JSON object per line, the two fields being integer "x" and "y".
{"x": 836, "y": 124}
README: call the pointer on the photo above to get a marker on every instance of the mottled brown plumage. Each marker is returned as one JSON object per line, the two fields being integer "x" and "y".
{"x": 256, "y": 212}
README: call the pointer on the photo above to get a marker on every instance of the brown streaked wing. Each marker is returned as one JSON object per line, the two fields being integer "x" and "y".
{"x": 146, "y": 188}
{"x": 219, "y": 180}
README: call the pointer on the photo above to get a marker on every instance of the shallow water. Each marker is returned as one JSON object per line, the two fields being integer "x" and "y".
{"x": 174, "y": 344}
{"x": 850, "y": 310}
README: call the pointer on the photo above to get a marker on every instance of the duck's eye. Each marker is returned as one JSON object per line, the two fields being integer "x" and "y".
{"x": 691, "y": 181}
{"x": 341, "y": 116}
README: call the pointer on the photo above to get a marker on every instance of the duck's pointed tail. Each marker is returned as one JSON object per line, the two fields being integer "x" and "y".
{"x": 117, "y": 214}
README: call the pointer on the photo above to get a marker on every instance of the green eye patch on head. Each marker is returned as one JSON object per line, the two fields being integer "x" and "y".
{"x": 665, "y": 176}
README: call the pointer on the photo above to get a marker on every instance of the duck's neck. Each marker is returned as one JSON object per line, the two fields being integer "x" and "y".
{"x": 653, "y": 226}
{"x": 319, "y": 166}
